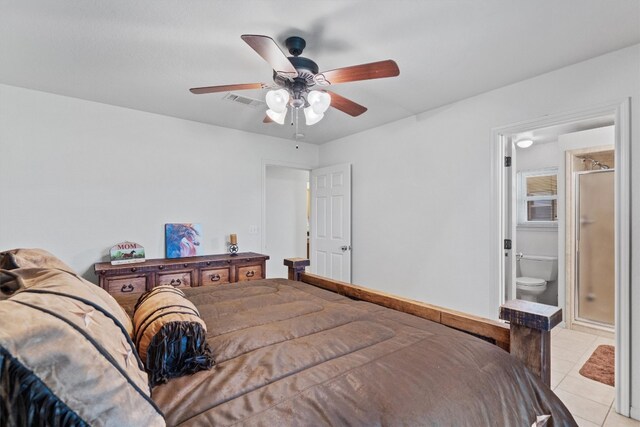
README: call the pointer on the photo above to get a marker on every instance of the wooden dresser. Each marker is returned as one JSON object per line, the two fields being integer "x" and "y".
{"x": 127, "y": 279}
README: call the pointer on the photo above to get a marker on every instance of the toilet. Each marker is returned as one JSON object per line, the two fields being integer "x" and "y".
{"x": 535, "y": 272}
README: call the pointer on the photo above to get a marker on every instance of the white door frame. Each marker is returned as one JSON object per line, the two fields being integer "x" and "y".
{"x": 499, "y": 136}
{"x": 263, "y": 214}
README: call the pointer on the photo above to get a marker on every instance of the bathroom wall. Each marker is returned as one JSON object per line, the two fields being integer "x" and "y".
{"x": 539, "y": 240}
{"x": 529, "y": 240}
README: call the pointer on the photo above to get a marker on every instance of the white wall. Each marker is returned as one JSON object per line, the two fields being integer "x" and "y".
{"x": 286, "y": 217}
{"x": 78, "y": 177}
{"x": 529, "y": 240}
{"x": 422, "y": 185}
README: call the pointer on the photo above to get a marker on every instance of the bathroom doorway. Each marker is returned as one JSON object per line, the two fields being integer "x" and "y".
{"x": 542, "y": 196}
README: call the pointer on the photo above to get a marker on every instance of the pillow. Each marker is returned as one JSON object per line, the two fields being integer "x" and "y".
{"x": 26, "y": 258}
{"x": 66, "y": 358}
{"x": 55, "y": 281}
{"x": 170, "y": 335}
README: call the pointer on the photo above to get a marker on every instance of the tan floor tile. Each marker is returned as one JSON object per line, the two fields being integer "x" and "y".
{"x": 569, "y": 344}
{"x": 576, "y": 336}
{"x": 583, "y": 408}
{"x": 572, "y": 355}
{"x": 605, "y": 334}
{"x": 594, "y": 331}
{"x": 604, "y": 341}
{"x": 584, "y": 423}
{"x": 588, "y": 389}
{"x": 617, "y": 420}
{"x": 556, "y": 377}
{"x": 561, "y": 366}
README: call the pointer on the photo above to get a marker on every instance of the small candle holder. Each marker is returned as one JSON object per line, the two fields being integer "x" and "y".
{"x": 233, "y": 249}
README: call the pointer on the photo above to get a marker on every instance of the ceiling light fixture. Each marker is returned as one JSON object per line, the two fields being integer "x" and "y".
{"x": 317, "y": 102}
{"x": 524, "y": 143}
{"x": 277, "y": 117}
{"x": 277, "y": 100}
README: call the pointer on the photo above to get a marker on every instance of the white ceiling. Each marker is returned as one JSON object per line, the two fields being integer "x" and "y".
{"x": 146, "y": 54}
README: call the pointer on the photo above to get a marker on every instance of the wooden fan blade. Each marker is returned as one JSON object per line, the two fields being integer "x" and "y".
{"x": 227, "y": 88}
{"x": 268, "y": 49}
{"x": 346, "y": 105}
{"x": 267, "y": 119}
{"x": 374, "y": 70}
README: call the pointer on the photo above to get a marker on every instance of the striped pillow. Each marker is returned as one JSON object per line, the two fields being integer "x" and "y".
{"x": 170, "y": 335}
{"x": 66, "y": 358}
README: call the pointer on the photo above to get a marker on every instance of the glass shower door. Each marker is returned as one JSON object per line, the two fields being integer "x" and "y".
{"x": 595, "y": 278}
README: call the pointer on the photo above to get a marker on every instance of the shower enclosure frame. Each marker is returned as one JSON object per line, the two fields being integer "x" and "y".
{"x": 574, "y": 299}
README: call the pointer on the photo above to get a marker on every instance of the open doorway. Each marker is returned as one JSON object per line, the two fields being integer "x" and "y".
{"x": 537, "y": 249}
{"x": 286, "y": 216}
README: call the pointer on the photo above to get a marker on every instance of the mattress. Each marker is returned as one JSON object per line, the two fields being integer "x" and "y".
{"x": 288, "y": 353}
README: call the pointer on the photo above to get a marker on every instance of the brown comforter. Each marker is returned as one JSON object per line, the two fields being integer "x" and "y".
{"x": 288, "y": 353}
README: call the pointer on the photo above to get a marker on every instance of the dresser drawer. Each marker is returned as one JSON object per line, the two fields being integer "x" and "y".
{"x": 214, "y": 276}
{"x": 250, "y": 272}
{"x": 182, "y": 279}
{"x": 126, "y": 286}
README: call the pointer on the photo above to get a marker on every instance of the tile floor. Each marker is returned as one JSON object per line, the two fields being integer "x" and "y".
{"x": 590, "y": 402}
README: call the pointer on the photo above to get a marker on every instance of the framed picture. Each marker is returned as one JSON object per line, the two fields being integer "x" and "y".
{"x": 182, "y": 240}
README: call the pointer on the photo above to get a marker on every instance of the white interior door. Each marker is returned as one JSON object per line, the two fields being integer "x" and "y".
{"x": 330, "y": 243}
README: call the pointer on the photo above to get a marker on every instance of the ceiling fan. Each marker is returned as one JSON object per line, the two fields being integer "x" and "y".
{"x": 295, "y": 76}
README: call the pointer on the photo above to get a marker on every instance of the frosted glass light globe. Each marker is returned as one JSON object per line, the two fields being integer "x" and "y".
{"x": 319, "y": 101}
{"x": 311, "y": 117}
{"x": 277, "y": 100}
{"x": 277, "y": 117}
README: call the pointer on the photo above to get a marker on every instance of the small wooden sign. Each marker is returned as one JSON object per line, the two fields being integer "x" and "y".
{"x": 127, "y": 253}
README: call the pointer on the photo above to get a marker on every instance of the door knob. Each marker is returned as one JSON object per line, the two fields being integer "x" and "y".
{"x": 345, "y": 248}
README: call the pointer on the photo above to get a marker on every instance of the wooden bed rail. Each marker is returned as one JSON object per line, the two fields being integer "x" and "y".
{"x": 527, "y": 337}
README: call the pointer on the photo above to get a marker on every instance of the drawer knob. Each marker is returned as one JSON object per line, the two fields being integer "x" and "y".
{"x": 126, "y": 288}
{"x": 251, "y": 273}
{"x": 185, "y": 265}
{"x": 134, "y": 269}
{"x": 161, "y": 267}
{"x": 208, "y": 262}
{"x": 175, "y": 282}
{"x": 215, "y": 277}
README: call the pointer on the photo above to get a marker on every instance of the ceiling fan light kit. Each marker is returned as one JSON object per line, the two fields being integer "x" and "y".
{"x": 277, "y": 117}
{"x": 296, "y": 75}
{"x": 277, "y": 100}
{"x": 311, "y": 117}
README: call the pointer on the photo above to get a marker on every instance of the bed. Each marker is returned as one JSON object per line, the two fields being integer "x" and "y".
{"x": 294, "y": 353}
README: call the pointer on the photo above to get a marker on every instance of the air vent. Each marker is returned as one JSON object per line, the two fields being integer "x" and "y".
{"x": 254, "y": 103}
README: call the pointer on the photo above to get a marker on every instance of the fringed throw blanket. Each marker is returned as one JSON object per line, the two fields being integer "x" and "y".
{"x": 170, "y": 335}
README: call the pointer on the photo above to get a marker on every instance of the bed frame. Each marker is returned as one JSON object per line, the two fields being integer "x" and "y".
{"x": 527, "y": 335}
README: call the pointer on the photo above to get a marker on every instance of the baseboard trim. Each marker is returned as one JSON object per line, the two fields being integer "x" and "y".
{"x": 635, "y": 413}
